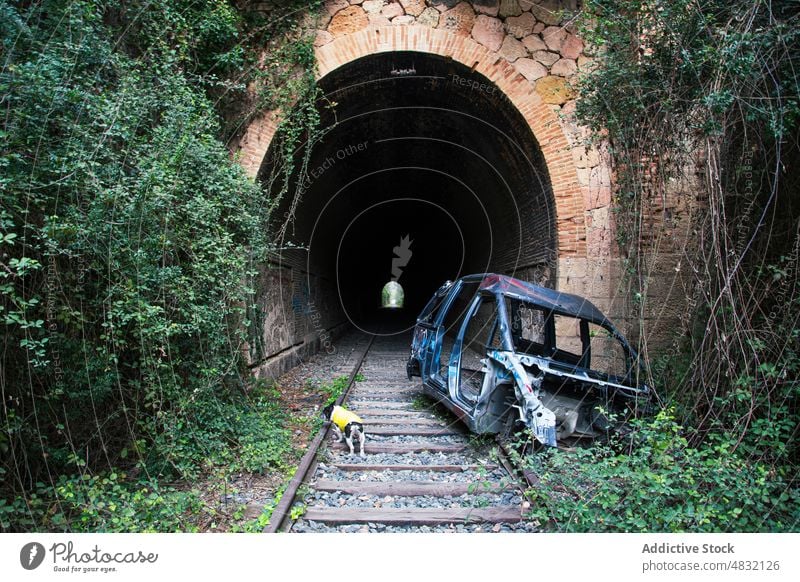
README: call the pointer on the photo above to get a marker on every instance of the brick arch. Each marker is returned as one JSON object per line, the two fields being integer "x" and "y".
{"x": 542, "y": 120}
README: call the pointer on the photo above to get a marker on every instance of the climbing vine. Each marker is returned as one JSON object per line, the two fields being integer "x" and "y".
{"x": 128, "y": 239}
{"x": 294, "y": 95}
{"x": 704, "y": 97}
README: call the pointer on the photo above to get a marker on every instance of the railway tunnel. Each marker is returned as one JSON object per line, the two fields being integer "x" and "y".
{"x": 425, "y": 172}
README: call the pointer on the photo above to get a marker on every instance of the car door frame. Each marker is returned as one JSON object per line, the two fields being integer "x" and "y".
{"x": 454, "y": 365}
{"x": 427, "y": 337}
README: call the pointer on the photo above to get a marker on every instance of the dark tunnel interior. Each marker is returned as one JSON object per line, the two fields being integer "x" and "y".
{"x": 416, "y": 147}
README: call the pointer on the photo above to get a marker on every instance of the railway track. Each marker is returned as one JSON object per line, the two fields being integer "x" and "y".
{"x": 422, "y": 470}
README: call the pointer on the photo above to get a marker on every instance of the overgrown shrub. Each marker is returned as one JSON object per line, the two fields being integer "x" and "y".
{"x": 707, "y": 94}
{"x": 128, "y": 242}
{"x": 109, "y": 502}
{"x": 661, "y": 484}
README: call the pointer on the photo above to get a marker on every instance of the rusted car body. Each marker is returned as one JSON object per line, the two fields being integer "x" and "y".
{"x": 502, "y": 353}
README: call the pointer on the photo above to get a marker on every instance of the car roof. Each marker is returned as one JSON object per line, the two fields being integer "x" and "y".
{"x": 550, "y": 299}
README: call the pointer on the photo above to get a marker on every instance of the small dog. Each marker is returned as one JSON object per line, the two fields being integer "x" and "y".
{"x": 346, "y": 425}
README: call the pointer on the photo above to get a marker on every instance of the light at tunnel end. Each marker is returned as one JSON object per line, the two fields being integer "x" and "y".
{"x": 392, "y": 295}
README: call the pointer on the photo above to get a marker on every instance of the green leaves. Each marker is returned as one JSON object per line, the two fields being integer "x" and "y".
{"x": 126, "y": 243}
{"x": 683, "y": 89}
{"x": 661, "y": 485}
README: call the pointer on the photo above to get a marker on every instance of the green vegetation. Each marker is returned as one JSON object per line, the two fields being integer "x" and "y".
{"x": 258, "y": 524}
{"x": 227, "y": 437}
{"x": 706, "y": 97}
{"x": 334, "y": 389}
{"x": 112, "y": 502}
{"x": 662, "y": 484}
{"x": 298, "y": 509}
{"x": 699, "y": 96}
{"x": 128, "y": 246}
{"x": 422, "y": 402}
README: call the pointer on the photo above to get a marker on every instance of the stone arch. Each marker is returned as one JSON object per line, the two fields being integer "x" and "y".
{"x": 570, "y": 195}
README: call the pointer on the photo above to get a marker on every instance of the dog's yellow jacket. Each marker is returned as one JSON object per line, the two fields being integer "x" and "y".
{"x": 341, "y": 417}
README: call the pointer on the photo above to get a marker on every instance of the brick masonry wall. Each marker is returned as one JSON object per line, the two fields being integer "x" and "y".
{"x": 299, "y": 315}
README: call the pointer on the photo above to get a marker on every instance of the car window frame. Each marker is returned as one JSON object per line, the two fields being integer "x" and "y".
{"x": 634, "y": 364}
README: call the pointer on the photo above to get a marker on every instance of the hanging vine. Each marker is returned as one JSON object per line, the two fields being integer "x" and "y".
{"x": 705, "y": 97}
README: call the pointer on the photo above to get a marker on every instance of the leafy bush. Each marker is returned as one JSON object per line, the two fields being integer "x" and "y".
{"x": 248, "y": 435}
{"x": 335, "y": 388}
{"x": 701, "y": 102}
{"x": 128, "y": 245}
{"x": 662, "y": 485}
{"x": 103, "y": 503}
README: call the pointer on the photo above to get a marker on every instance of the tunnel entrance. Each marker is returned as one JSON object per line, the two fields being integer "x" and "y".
{"x": 426, "y": 172}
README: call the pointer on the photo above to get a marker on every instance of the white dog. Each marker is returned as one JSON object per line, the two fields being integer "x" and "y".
{"x": 346, "y": 426}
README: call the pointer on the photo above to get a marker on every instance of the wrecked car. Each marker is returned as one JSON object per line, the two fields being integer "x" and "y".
{"x": 504, "y": 354}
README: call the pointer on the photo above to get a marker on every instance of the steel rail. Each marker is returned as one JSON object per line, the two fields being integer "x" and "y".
{"x": 279, "y": 520}
{"x": 282, "y": 520}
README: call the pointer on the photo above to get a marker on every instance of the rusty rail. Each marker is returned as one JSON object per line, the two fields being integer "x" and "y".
{"x": 280, "y": 516}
